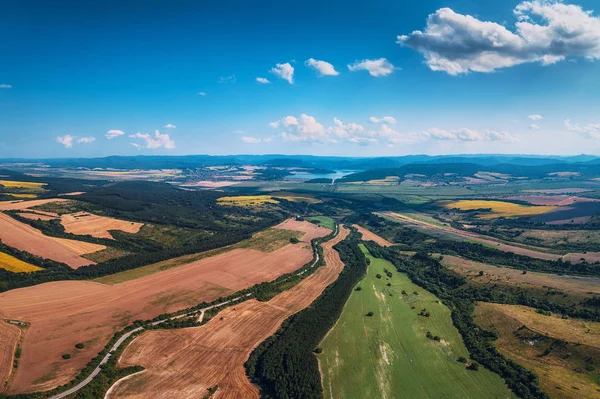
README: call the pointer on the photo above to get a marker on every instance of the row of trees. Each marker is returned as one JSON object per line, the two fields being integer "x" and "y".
{"x": 284, "y": 366}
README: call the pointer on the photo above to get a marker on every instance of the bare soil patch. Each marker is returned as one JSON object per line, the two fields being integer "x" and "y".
{"x": 368, "y": 235}
{"x": 26, "y": 238}
{"x": 505, "y": 275}
{"x": 83, "y": 223}
{"x": 311, "y": 230}
{"x": 67, "y": 312}
{"x": 186, "y": 362}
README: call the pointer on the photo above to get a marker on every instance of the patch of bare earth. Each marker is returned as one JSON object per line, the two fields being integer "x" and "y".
{"x": 26, "y": 238}
{"x": 184, "y": 363}
{"x": 65, "y": 313}
{"x": 19, "y": 205}
{"x": 83, "y": 223}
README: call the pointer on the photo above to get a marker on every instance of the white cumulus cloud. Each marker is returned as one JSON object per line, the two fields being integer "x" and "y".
{"x": 284, "y": 71}
{"x": 86, "y": 140}
{"x": 264, "y": 81}
{"x": 590, "y": 131}
{"x": 379, "y": 67}
{"x": 533, "y": 126}
{"x": 111, "y": 134}
{"x": 66, "y": 140}
{"x": 386, "y": 119}
{"x": 324, "y": 68}
{"x": 535, "y": 117}
{"x": 159, "y": 140}
{"x": 169, "y": 126}
{"x": 546, "y": 32}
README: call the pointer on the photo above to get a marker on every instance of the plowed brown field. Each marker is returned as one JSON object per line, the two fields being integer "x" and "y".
{"x": 9, "y": 335}
{"x": 84, "y": 223}
{"x": 18, "y": 205}
{"x": 67, "y": 312}
{"x": 26, "y": 238}
{"x": 311, "y": 230}
{"x": 184, "y": 363}
{"x": 368, "y": 235}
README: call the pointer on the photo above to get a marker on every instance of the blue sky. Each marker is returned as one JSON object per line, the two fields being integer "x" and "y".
{"x": 73, "y": 71}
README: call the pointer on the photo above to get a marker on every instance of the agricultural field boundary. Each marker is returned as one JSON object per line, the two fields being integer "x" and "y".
{"x": 129, "y": 332}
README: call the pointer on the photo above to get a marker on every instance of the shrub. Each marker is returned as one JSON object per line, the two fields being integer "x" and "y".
{"x": 66, "y": 356}
{"x": 318, "y": 350}
{"x": 294, "y": 240}
{"x": 378, "y": 275}
{"x": 473, "y": 366}
{"x": 358, "y": 289}
{"x": 370, "y": 314}
{"x": 80, "y": 345}
{"x": 389, "y": 284}
{"x": 461, "y": 359}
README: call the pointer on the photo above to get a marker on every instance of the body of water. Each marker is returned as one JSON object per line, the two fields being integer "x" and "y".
{"x": 309, "y": 176}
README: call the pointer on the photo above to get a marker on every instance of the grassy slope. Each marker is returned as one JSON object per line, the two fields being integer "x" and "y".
{"x": 389, "y": 355}
{"x": 266, "y": 241}
{"x": 324, "y": 221}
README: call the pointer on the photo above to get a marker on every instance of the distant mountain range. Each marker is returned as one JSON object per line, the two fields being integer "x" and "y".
{"x": 307, "y": 161}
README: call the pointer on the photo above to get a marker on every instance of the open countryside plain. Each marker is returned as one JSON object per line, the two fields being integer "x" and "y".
{"x": 83, "y": 223}
{"x": 184, "y": 363}
{"x": 389, "y": 356}
{"x": 65, "y": 313}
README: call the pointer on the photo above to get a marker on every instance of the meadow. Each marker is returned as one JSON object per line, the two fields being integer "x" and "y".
{"x": 389, "y": 353}
{"x": 323, "y": 221}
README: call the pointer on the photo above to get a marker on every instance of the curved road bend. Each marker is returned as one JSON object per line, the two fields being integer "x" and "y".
{"x": 124, "y": 337}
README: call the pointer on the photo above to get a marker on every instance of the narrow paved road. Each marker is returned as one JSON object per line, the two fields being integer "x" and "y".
{"x": 124, "y": 337}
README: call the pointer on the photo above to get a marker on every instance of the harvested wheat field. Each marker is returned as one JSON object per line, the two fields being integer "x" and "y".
{"x": 26, "y": 238}
{"x": 67, "y": 312}
{"x": 495, "y": 274}
{"x": 368, "y": 235}
{"x": 83, "y": 223}
{"x": 9, "y": 336}
{"x": 35, "y": 216}
{"x": 184, "y": 363}
{"x": 553, "y": 200}
{"x": 19, "y": 205}
{"x": 310, "y": 230}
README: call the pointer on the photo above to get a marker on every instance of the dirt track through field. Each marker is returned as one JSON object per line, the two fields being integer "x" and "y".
{"x": 184, "y": 363}
{"x": 65, "y": 313}
{"x": 83, "y": 223}
{"x": 368, "y": 235}
{"x": 573, "y": 257}
{"x": 26, "y": 238}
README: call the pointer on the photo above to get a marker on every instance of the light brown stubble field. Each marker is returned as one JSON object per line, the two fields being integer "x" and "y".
{"x": 65, "y": 313}
{"x": 184, "y": 363}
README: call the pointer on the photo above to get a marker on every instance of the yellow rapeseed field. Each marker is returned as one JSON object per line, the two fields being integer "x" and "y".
{"x": 21, "y": 184}
{"x": 26, "y": 196}
{"x": 247, "y": 200}
{"x": 498, "y": 208}
{"x": 15, "y": 265}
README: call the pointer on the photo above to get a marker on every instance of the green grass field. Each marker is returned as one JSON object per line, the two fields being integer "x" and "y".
{"x": 389, "y": 356}
{"x": 324, "y": 221}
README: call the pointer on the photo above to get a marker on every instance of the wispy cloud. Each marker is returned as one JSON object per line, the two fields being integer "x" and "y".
{"x": 169, "y": 126}
{"x": 86, "y": 140}
{"x": 386, "y": 119}
{"x": 284, "y": 71}
{"x": 5, "y": 86}
{"x": 201, "y": 93}
{"x": 377, "y": 68}
{"x": 590, "y": 131}
{"x": 239, "y": 132}
{"x": 111, "y": 134}
{"x": 66, "y": 140}
{"x": 465, "y": 134}
{"x": 264, "y": 81}
{"x": 456, "y": 43}
{"x": 533, "y": 126}
{"x": 227, "y": 79}
{"x": 535, "y": 117}
{"x": 152, "y": 142}
{"x": 322, "y": 67}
